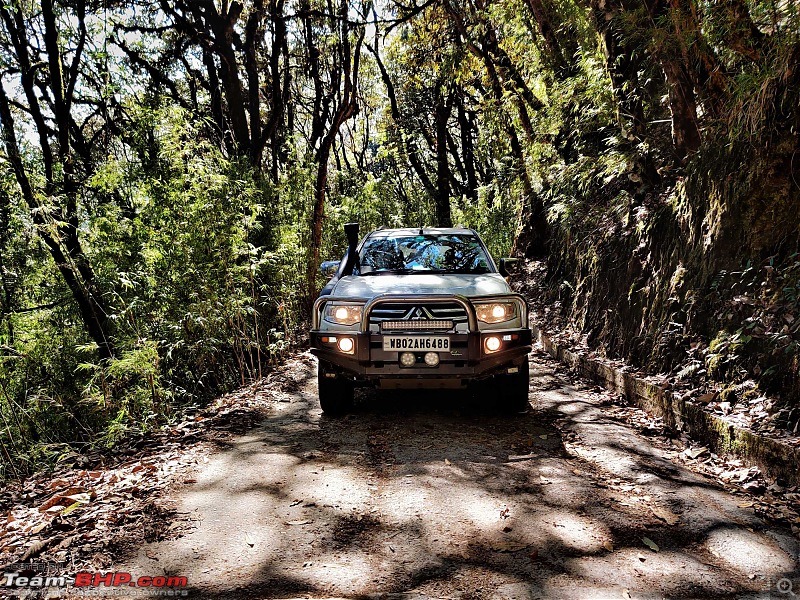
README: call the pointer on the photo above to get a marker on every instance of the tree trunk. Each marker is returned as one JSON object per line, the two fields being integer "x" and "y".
{"x": 216, "y": 98}
{"x": 623, "y": 68}
{"x": 279, "y": 86}
{"x": 347, "y": 107}
{"x": 707, "y": 73}
{"x": 681, "y": 92}
{"x": 442, "y": 111}
{"x": 408, "y": 146}
{"x": 254, "y": 33}
{"x": 547, "y": 31}
{"x": 222, "y": 27}
{"x": 533, "y": 233}
{"x": 63, "y": 244}
{"x": 685, "y": 132}
{"x": 468, "y": 151}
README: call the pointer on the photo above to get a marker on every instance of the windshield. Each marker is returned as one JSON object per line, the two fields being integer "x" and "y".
{"x": 455, "y": 253}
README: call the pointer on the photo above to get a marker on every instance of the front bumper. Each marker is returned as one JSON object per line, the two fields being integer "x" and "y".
{"x": 465, "y": 360}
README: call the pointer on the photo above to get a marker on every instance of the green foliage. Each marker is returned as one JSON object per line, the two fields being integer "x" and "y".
{"x": 196, "y": 306}
{"x": 761, "y": 336}
{"x": 193, "y": 228}
{"x": 490, "y": 216}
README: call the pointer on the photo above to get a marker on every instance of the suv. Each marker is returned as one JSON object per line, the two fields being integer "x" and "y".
{"x": 419, "y": 308}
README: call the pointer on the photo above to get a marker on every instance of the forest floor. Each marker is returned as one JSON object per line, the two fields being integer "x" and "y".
{"x": 415, "y": 496}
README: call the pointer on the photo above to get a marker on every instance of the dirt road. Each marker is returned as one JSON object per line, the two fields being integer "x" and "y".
{"x": 415, "y": 496}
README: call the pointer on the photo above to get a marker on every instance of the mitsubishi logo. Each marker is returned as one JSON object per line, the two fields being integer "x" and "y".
{"x": 419, "y": 314}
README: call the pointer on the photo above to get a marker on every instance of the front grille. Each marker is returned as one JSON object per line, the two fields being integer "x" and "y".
{"x": 433, "y": 315}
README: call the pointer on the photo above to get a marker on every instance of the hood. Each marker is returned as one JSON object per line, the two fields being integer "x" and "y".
{"x": 357, "y": 286}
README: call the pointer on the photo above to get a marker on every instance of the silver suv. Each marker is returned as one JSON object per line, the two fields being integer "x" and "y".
{"x": 419, "y": 308}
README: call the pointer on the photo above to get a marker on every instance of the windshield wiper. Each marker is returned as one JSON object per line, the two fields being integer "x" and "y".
{"x": 390, "y": 272}
{"x": 427, "y": 272}
{"x": 461, "y": 271}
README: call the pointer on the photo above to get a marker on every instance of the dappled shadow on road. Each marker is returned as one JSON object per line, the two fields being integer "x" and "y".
{"x": 416, "y": 491}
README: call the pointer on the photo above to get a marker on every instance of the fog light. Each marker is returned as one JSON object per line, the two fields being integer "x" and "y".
{"x": 407, "y": 359}
{"x": 492, "y": 344}
{"x": 346, "y": 345}
{"x": 431, "y": 359}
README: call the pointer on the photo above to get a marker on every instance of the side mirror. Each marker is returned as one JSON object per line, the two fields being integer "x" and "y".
{"x": 329, "y": 268}
{"x": 505, "y": 263}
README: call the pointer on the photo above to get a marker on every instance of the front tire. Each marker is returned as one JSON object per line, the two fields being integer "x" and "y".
{"x": 336, "y": 395}
{"x": 513, "y": 389}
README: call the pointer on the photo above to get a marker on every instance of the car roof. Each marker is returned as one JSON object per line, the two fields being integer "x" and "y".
{"x": 421, "y": 231}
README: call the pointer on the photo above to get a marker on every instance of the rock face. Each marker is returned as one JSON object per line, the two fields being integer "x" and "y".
{"x": 697, "y": 275}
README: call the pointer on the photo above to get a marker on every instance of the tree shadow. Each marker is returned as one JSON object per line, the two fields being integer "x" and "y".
{"x": 422, "y": 491}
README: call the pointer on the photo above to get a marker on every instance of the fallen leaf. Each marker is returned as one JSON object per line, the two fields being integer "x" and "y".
{"x": 190, "y": 481}
{"x": 39, "y": 528}
{"x": 694, "y": 453}
{"x": 82, "y": 498}
{"x": 745, "y": 504}
{"x": 303, "y": 522}
{"x": 70, "y": 508}
{"x": 650, "y": 544}
{"x": 666, "y": 515}
{"x": 522, "y": 456}
{"x": 36, "y": 548}
{"x": 447, "y": 462}
{"x": 754, "y": 486}
{"x": 608, "y": 546}
{"x": 706, "y": 398}
{"x": 59, "y": 498}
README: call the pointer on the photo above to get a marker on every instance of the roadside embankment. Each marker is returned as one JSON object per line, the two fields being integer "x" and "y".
{"x": 774, "y": 457}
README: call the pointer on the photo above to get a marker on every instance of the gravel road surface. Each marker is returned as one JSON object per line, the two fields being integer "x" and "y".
{"x": 419, "y": 495}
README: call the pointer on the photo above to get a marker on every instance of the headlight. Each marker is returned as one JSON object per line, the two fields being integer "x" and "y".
{"x": 343, "y": 314}
{"x": 496, "y": 312}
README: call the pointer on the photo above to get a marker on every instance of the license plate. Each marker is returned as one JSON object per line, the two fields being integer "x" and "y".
{"x": 416, "y": 343}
